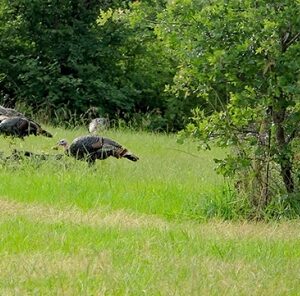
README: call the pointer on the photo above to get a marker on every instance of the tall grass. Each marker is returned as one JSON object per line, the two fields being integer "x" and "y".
{"x": 170, "y": 180}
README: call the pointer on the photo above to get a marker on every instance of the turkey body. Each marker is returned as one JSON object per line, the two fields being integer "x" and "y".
{"x": 16, "y": 124}
{"x": 20, "y": 127}
{"x": 91, "y": 148}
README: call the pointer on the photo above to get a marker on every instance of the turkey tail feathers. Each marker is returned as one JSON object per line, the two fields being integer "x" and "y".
{"x": 123, "y": 152}
{"x": 130, "y": 156}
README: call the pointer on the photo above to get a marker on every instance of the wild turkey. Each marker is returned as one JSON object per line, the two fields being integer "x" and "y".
{"x": 91, "y": 148}
{"x": 10, "y": 112}
{"x": 17, "y": 124}
{"x": 20, "y": 127}
{"x": 98, "y": 124}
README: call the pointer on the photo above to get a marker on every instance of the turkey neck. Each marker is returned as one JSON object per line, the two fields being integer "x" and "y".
{"x": 67, "y": 149}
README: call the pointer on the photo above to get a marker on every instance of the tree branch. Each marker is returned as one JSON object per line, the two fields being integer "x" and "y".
{"x": 293, "y": 40}
{"x": 286, "y": 43}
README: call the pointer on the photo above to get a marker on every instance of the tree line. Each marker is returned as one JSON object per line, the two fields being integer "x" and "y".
{"x": 81, "y": 55}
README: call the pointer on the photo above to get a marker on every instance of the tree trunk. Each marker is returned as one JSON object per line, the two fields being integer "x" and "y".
{"x": 286, "y": 173}
{"x": 285, "y": 161}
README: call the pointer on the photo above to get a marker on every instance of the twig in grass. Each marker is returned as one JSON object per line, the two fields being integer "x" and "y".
{"x": 191, "y": 154}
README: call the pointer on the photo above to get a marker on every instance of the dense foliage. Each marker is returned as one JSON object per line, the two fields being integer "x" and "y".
{"x": 242, "y": 61}
{"x": 80, "y": 55}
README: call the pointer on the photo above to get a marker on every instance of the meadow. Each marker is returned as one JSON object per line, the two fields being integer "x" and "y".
{"x": 124, "y": 228}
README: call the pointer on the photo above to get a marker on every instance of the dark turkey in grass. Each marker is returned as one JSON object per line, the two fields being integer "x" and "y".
{"x": 20, "y": 127}
{"x": 91, "y": 148}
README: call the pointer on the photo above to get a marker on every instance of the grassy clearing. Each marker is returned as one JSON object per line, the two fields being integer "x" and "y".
{"x": 124, "y": 228}
{"x": 170, "y": 180}
{"x": 47, "y": 250}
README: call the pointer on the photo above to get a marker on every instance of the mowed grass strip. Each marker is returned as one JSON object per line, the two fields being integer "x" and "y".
{"x": 48, "y": 251}
{"x": 72, "y": 215}
{"x": 130, "y": 220}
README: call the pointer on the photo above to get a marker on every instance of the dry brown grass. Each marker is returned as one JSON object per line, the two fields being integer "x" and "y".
{"x": 123, "y": 219}
{"x": 208, "y": 275}
{"x": 23, "y": 266}
{"x": 21, "y": 269}
{"x": 52, "y": 214}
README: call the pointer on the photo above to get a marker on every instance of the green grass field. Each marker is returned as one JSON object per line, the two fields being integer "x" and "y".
{"x": 123, "y": 228}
